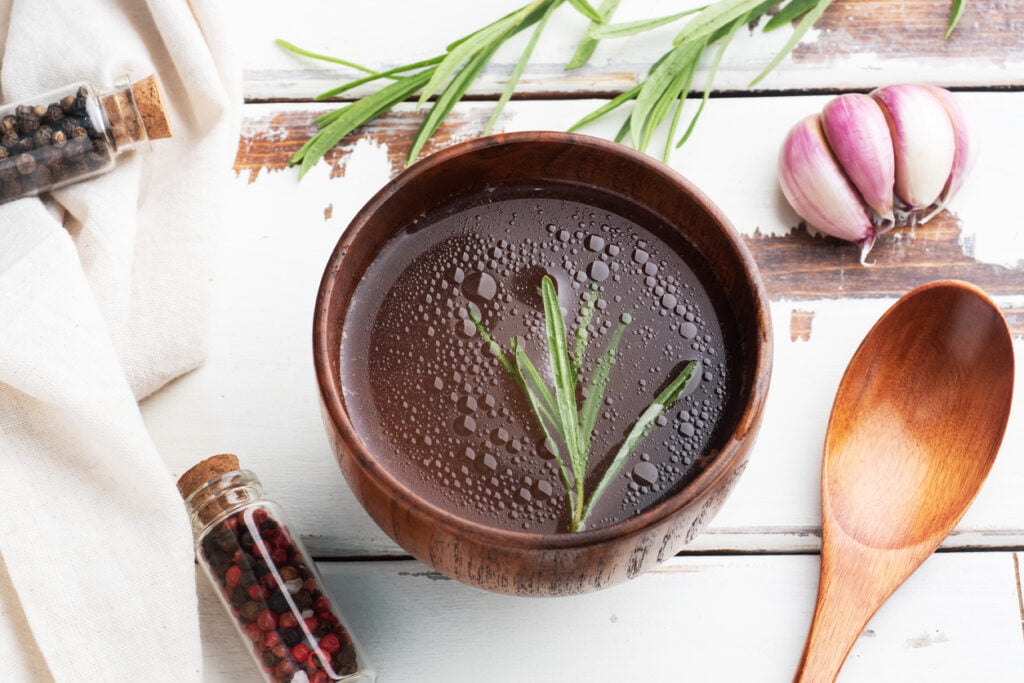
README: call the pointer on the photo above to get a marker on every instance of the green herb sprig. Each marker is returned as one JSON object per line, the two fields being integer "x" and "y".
{"x": 447, "y": 77}
{"x": 568, "y": 427}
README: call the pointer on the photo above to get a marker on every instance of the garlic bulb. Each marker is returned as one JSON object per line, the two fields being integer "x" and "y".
{"x": 869, "y": 162}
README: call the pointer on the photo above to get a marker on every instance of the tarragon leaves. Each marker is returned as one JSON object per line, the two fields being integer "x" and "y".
{"x": 557, "y": 410}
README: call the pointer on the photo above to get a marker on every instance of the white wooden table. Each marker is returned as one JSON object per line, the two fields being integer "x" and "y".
{"x": 736, "y": 604}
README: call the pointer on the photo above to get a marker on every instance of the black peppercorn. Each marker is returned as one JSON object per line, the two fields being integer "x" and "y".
{"x": 268, "y": 659}
{"x": 43, "y": 137}
{"x": 238, "y": 596}
{"x": 250, "y": 610}
{"x": 246, "y": 579}
{"x": 291, "y": 636}
{"x": 9, "y": 124}
{"x": 277, "y": 602}
{"x": 53, "y": 113}
{"x": 302, "y": 599}
{"x": 59, "y": 139}
{"x": 28, "y": 124}
{"x": 77, "y": 133}
{"x": 25, "y": 163}
{"x": 67, "y": 103}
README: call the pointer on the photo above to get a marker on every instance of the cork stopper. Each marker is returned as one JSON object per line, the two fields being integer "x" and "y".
{"x": 149, "y": 99}
{"x": 137, "y": 114}
{"x": 204, "y": 471}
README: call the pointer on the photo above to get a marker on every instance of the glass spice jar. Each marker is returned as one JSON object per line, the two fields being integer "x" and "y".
{"x": 266, "y": 579}
{"x": 76, "y": 132}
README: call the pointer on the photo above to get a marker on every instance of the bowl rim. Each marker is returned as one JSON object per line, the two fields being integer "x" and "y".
{"x": 708, "y": 480}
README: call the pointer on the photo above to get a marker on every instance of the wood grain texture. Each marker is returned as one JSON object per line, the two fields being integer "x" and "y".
{"x": 795, "y": 266}
{"x": 856, "y": 44}
{"x": 705, "y": 619}
{"x": 915, "y": 428}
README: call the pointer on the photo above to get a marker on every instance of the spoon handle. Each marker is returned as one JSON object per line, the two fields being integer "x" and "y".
{"x": 839, "y": 618}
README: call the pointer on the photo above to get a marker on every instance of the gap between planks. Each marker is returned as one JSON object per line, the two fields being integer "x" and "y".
{"x": 605, "y": 95}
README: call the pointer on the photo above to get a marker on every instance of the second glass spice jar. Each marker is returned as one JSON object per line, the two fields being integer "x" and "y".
{"x": 266, "y": 579}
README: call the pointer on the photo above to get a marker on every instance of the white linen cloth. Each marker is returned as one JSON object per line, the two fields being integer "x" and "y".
{"x": 103, "y": 299}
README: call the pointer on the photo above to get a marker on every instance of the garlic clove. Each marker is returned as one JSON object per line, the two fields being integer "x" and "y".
{"x": 966, "y": 153}
{"x": 923, "y": 142}
{"x": 816, "y": 188}
{"x": 857, "y": 132}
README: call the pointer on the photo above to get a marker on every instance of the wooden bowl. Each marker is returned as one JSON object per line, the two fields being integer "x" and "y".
{"x": 524, "y": 563}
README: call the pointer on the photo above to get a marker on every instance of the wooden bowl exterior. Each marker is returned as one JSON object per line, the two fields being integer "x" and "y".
{"x": 517, "y": 562}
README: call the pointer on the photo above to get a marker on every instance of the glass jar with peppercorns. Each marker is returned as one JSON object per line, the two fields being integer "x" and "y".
{"x": 266, "y": 579}
{"x": 75, "y": 132}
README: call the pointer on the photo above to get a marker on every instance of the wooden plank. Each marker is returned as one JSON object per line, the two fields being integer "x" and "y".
{"x": 856, "y": 44}
{"x": 256, "y": 394}
{"x": 701, "y": 619}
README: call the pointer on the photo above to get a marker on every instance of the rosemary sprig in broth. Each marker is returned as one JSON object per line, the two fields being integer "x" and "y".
{"x": 557, "y": 410}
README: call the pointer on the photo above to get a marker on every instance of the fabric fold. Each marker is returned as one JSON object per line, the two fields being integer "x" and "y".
{"x": 104, "y": 298}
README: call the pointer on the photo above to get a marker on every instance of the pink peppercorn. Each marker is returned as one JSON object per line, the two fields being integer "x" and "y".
{"x": 270, "y": 639}
{"x": 258, "y": 592}
{"x": 232, "y": 576}
{"x": 300, "y": 652}
{"x": 267, "y": 620}
{"x": 288, "y": 620}
{"x": 321, "y": 604}
{"x": 279, "y": 557}
{"x": 310, "y": 623}
{"x": 330, "y": 643}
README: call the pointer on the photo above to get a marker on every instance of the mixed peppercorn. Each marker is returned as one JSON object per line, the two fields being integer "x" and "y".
{"x": 273, "y": 593}
{"x": 44, "y": 145}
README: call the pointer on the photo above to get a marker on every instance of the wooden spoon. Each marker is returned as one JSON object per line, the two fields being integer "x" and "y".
{"x": 914, "y": 430}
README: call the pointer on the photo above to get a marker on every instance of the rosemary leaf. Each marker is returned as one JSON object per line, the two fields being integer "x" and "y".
{"x": 712, "y": 69}
{"x": 586, "y": 9}
{"x": 955, "y": 10}
{"x": 334, "y": 92}
{"x": 670, "y": 74}
{"x": 631, "y": 28}
{"x": 598, "y": 385}
{"x": 493, "y": 346}
{"x": 604, "y": 109}
{"x": 528, "y": 373}
{"x": 561, "y": 371}
{"x": 463, "y": 52}
{"x": 674, "y": 124}
{"x": 801, "y": 28}
{"x": 791, "y": 12}
{"x": 712, "y": 18}
{"x": 588, "y": 43}
{"x": 530, "y": 387}
{"x": 353, "y": 116}
{"x": 517, "y": 72}
{"x": 324, "y": 58}
{"x": 448, "y": 99}
{"x": 643, "y": 426}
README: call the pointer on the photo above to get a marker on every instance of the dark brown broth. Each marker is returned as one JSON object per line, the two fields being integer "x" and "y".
{"x": 443, "y": 416}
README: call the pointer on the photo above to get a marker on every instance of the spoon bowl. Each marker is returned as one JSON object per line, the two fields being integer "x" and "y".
{"x": 915, "y": 427}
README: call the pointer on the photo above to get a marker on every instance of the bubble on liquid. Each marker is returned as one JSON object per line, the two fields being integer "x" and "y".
{"x": 480, "y": 286}
{"x": 640, "y": 256}
{"x": 595, "y": 243}
{"x": 464, "y": 425}
{"x": 467, "y": 404}
{"x": 598, "y": 271}
{"x": 688, "y": 330}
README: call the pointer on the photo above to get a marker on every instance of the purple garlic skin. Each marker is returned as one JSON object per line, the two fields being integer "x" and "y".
{"x": 858, "y": 134}
{"x": 923, "y": 140}
{"x": 966, "y": 153}
{"x": 816, "y": 187}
